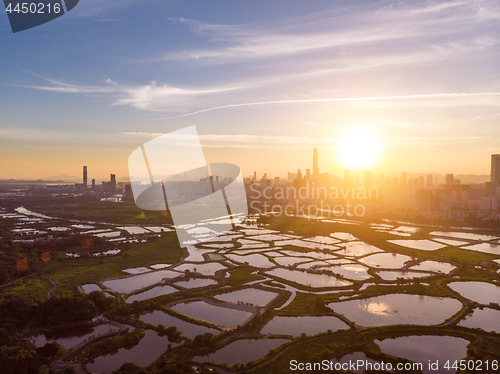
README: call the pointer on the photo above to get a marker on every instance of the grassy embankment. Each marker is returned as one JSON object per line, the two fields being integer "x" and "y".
{"x": 71, "y": 272}
{"x": 89, "y": 209}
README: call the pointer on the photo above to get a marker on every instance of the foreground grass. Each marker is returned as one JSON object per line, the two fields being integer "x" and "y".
{"x": 69, "y": 273}
{"x": 89, "y": 209}
{"x": 34, "y": 288}
{"x": 336, "y": 345}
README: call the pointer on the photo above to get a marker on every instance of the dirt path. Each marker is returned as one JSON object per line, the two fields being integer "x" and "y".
{"x": 49, "y": 295}
{"x": 17, "y": 280}
{"x": 54, "y": 286}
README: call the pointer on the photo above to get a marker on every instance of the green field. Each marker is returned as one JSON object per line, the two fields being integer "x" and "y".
{"x": 71, "y": 272}
{"x": 90, "y": 209}
{"x": 34, "y": 288}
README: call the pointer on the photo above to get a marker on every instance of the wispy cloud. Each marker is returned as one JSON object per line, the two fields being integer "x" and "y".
{"x": 147, "y": 97}
{"x": 241, "y": 140}
{"x": 344, "y": 99}
{"x": 429, "y": 27}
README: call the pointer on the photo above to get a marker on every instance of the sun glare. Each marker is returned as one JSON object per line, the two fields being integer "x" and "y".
{"x": 359, "y": 148}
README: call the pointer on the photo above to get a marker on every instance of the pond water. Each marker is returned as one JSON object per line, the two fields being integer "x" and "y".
{"x": 394, "y": 275}
{"x": 398, "y": 309}
{"x": 248, "y": 251}
{"x": 423, "y": 245}
{"x": 136, "y": 282}
{"x": 27, "y": 212}
{"x": 435, "y": 266}
{"x": 386, "y": 260}
{"x": 189, "y": 330}
{"x": 309, "y": 279}
{"x": 223, "y": 238}
{"x": 134, "y": 230}
{"x": 309, "y": 245}
{"x": 262, "y": 246}
{"x": 160, "y": 266}
{"x": 257, "y": 231}
{"x": 74, "y": 336}
{"x": 463, "y": 235}
{"x": 310, "y": 325}
{"x": 158, "y": 229}
{"x": 96, "y": 231}
{"x": 482, "y": 292}
{"x": 196, "y": 254}
{"x": 242, "y": 351}
{"x": 289, "y": 261}
{"x": 356, "y": 272}
{"x": 59, "y": 228}
{"x": 485, "y": 248}
{"x": 354, "y": 357}
{"x": 486, "y": 319}
{"x": 358, "y": 249}
{"x": 343, "y": 236}
{"x": 208, "y": 268}
{"x": 211, "y": 313}
{"x": 310, "y": 254}
{"x": 219, "y": 246}
{"x": 257, "y": 260}
{"x": 409, "y": 229}
{"x": 153, "y": 292}
{"x": 113, "y": 234}
{"x": 88, "y": 288}
{"x": 136, "y": 270}
{"x": 83, "y": 226}
{"x": 454, "y": 242}
{"x": 312, "y": 265}
{"x": 274, "y": 254}
{"x": 196, "y": 283}
{"x": 398, "y": 233}
{"x": 253, "y": 296}
{"x": 322, "y": 239}
{"x": 150, "y": 347}
{"x": 381, "y": 226}
{"x": 269, "y": 237}
{"x": 421, "y": 349}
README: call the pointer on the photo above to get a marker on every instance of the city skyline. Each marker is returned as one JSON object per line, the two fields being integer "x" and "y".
{"x": 261, "y": 82}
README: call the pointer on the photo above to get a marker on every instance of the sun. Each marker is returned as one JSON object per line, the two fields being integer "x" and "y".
{"x": 359, "y": 148}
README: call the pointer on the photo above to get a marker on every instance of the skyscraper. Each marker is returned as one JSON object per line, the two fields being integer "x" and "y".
{"x": 495, "y": 170}
{"x": 113, "y": 182}
{"x": 315, "y": 164}
{"x": 84, "y": 177}
{"x": 450, "y": 179}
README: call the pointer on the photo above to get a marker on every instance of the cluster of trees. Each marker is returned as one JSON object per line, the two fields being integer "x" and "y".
{"x": 62, "y": 310}
{"x": 171, "y": 332}
{"x": 22, "y": 359}
{"x": 16, "y": 310}
{"x": 202, "y": 341}
{"x": 162, "y": 368}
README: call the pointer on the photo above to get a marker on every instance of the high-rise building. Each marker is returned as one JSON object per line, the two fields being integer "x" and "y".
{"x": 315, "y": 164}
{"x": 113, "y": 182}
{"x": 430, "y": 180}
{"x": 495, "y": 170}
{"x": 347, "y": 175}
{"x": 84, "y": 177}
{"x": 450, "y": 179}
{"x": 93, "y": 184}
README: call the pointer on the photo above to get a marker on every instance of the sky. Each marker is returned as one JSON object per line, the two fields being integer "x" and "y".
{"x": 264, "y": 83}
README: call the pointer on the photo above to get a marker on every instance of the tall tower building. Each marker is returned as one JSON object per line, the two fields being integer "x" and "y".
{"x": 113, "y": 182}
{"x": 84, "y": 177}
{"x": 429, "y": 180}
{"x": 315, "y": 164}
{"x": 450, "y": 179}
{"x": 495, "y": 170}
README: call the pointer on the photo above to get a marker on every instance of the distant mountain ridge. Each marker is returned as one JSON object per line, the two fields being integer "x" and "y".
{"x": 64, "y": 178}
